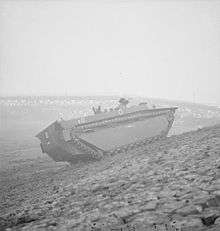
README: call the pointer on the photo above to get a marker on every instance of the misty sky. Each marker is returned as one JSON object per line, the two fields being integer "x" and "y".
{"x": 165, "y": 49}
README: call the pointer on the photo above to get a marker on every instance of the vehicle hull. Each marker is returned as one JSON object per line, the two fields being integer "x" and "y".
{"x": 89, "y": 140}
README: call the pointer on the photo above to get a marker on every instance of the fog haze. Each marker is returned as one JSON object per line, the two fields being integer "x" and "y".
{"x": 162, "y": 49}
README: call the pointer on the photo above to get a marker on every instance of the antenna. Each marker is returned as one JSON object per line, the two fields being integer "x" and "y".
{"x": 194, "y": 96}
{"x": 194, "y": 91}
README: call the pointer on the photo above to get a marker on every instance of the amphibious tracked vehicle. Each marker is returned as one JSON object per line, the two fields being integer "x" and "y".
{"x": 105, "y": 132}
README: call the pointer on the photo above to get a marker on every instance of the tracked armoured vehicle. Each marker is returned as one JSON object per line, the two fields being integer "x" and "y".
{"x": 106, "y": 132}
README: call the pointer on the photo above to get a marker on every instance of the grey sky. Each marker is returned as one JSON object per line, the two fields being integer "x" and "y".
{"x": 166, "y": 49}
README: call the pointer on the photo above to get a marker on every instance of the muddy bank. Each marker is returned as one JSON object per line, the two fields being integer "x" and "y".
{"x": 173, "y": 182}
